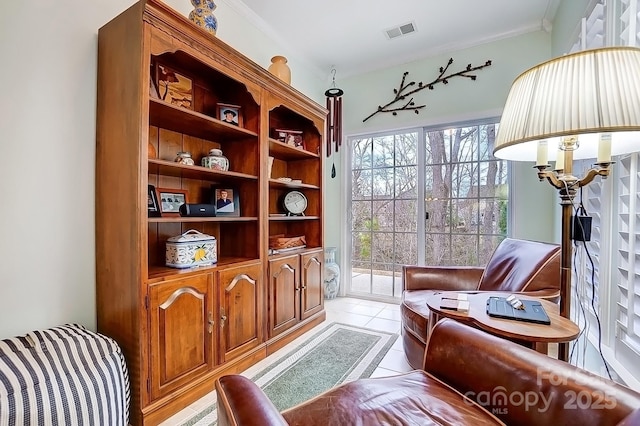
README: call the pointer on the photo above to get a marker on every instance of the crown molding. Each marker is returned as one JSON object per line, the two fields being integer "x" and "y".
{"x": 442, "y": 49}
{"x": 256, "y": 20}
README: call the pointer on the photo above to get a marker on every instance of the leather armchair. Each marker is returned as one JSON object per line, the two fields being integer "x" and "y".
{"x": 469, "y": 377}
{"x": 516, "y": 266}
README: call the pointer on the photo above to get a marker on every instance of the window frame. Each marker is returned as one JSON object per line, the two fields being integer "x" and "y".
{"x": 420, "y": 232}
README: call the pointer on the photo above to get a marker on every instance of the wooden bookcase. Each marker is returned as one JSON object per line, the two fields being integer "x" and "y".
{"x": 180, "y": 329}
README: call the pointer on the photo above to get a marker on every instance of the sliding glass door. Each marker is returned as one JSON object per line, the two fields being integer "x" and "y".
{"x": 466, "y": 195}
{"x": 384, "y": 190}
{"x": 427, "y": 196}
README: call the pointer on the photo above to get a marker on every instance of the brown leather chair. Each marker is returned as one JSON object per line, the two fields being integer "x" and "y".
{"x": 469, "y": 377}
{"x": 517, "y": 266}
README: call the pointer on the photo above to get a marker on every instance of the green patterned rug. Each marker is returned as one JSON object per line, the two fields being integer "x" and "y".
{"x": 336, "y": 354}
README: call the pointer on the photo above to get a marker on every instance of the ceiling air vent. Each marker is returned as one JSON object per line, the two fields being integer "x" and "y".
{"x": 400, "y": 30}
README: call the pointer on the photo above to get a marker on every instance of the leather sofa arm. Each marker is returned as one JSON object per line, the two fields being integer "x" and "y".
{"x": 442, "y": 278}
{"x": 242, "y": 403}
{"x": 521, "y": 386}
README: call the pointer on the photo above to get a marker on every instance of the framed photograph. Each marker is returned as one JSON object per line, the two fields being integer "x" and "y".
{"x": 173, "y": 87}
{"x": 226, "y": 201}
{"x": 153, "y": 91}
{"x": 153, "y": 208}
{"x": 171, "y": 199}
{"x": 290, "y": 137}
{"x": 230, "y": 114}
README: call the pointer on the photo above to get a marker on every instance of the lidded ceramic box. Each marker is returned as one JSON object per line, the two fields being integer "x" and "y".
{"x": 190, "y": 249}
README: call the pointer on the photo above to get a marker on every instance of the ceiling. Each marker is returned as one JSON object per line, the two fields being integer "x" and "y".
{"x": 350, "y": 35}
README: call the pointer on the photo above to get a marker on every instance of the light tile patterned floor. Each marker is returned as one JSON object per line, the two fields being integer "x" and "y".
{"x": 363, "y": 313}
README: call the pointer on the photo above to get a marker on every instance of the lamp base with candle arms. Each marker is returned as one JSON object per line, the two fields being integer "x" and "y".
{"x": 567, "y": 186}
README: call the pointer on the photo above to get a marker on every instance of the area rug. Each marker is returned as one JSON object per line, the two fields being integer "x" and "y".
{"x": 336, "y": 354}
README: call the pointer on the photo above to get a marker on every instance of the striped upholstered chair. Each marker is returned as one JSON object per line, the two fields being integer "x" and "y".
{"x": 65, "y": 375}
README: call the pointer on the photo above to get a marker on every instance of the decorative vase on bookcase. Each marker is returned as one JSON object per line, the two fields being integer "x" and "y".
{"x": 280, "y": 69}
{"x": 331, "y": 273}
{"x": 202, "y": 15}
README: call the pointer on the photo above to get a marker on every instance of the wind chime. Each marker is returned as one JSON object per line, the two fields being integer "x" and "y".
{"x": 334, "y": 119}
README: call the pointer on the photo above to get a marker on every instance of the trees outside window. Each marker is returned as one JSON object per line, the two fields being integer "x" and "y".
{"x": 433, "y": 196}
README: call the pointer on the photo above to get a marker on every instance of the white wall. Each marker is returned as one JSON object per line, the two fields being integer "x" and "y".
{"x": 240, "y": 31}
{"x": 461, "y": 99}
{"x": 47, "y": 131}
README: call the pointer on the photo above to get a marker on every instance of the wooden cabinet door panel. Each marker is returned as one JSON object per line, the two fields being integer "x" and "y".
{"x": 240, "y": 301}
{"x": 312, "y": 296}
{"x": 181, "y": 332}
{"x": 284, "y": 294}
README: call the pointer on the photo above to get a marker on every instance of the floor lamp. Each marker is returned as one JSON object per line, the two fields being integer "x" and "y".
{"x": 578, "y": 106}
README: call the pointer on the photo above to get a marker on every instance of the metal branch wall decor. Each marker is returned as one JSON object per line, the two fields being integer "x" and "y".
{"x": 404, "y": 92}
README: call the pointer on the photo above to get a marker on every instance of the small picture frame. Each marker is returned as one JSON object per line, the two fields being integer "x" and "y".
{"x": 170, "y": 200}
{"x": 153, "y": 90}
{"x": 226, "y": 201}
{"x": 173, "y": 87}
{"x": 270, "y": 166}
{"x": 290, "y": 137}
{"x": 230, "y": 114}
{"x": 153, "y": 208}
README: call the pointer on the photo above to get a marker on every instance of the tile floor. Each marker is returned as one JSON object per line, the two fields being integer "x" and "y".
{"x": 363, "y": 313}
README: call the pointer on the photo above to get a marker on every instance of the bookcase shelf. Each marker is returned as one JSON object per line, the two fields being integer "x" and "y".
{"x": 293, "y": 185}
{"x": 179, "y": 329}
{"x": 182, "y": 120}
{"x": 202, "y": 219}
{"x": 171, "y": 168}
{"x": 287, "y": 152}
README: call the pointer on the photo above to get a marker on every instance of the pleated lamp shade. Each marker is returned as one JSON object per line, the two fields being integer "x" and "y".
{"x": 584, "y": 94}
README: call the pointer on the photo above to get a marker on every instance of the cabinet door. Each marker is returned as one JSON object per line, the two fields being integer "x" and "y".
{"x": 239, "y": 292}
{"x": 312, "y": 288}
{"x": 181, "y": 332}
{"x": 284, "y": 294}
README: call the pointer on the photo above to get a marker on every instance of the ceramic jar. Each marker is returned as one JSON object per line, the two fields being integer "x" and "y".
{"x": 331, "y": 273}
{"x": 202, "y": 15}
{"x": 215, "y": 160}
{"x": 152, "y": 153}
{"x": 280, "y": 69}
{"x": 184, "y": 157}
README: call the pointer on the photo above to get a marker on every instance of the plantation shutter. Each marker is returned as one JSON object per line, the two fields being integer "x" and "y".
{"x": 627, "y": 244}
{"x": 592, "y": 31}
{"x": 627, "y": 341}
{"x": 630, "y": 22}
